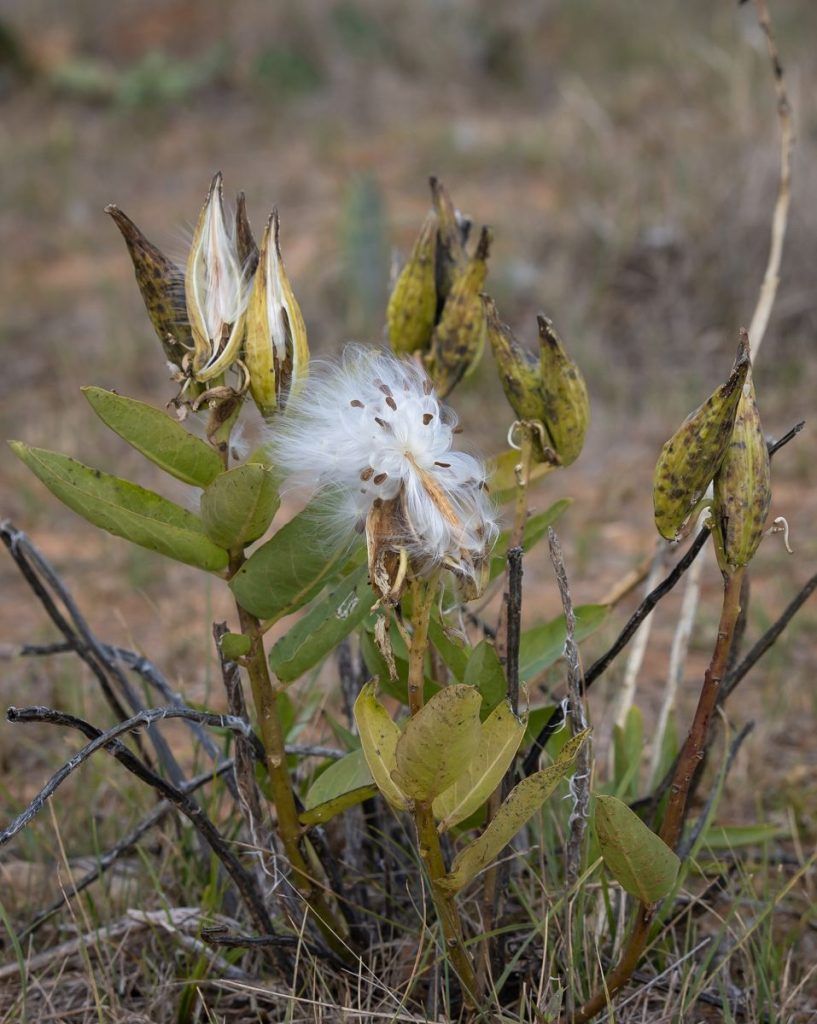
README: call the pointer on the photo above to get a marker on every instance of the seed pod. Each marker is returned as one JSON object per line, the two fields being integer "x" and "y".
{"x": 244, "y": 240}
{"x": 567, "y": 406}
{"x": 742, "y": 484}
{"x": 519, "y": 370}
{"x": 161, "y": 283}
{"x": 215, "y": 290}
{"x": 451, "y": 256}
{"x": 276, "y": 352}
{"x": 690, "y": 459}
{"x": 459, "y": 337}
{"x": 413, "y": 303}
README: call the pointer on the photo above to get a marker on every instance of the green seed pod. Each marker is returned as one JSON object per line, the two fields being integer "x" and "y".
{"x": 451, "y": 256}
{"x": 742, "y": 484}
{"x": 567, "y": 406}
{"x": 518, "y": 369}
{"x": 459, "y": 337}
{"x": 276, "y": 352}
{"x": 161, "y": 283}
{"x": 413, "y": 303}
{"x": 690, "y": 459}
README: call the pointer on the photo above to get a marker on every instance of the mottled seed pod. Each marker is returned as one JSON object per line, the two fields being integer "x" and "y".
{"x": 742, "y": 485}
{"x": 451, "y": 255}
{"x": 459, "y": 337}
{"x": 519, "y": 370}
{"x": 412, "y": 306}
{"x": 567, "y": 406}
{"x": 161, "y": 283}
{"x": 276, "y": 352}
{"x": 690, "y": 459}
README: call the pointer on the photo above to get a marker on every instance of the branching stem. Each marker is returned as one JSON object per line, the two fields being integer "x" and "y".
{"x": 691, "y": 755}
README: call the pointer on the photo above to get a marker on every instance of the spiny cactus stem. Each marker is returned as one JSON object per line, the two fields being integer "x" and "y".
{"x": 672, "y": 826}
{"x": 428, "y": 840}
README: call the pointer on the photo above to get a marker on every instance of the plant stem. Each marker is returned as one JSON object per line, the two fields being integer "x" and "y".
{"x": 672, "y": 826}
{"x": 265, "y": 698}
{"x": 427, "y": 837}
{"x": 507, "y": 649}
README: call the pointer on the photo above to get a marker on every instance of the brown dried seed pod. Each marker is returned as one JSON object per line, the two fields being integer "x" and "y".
{"x": 743, "y": 484}
{"x": 451, "y": 256}
{"x": 567, "y": 406}
{"x": 244, "y": 240}
{"x": 412, "y": 306}
{"x": 690, "y": 459}
{"x": 161, "y": 283}
{"x": 459, "y": 337}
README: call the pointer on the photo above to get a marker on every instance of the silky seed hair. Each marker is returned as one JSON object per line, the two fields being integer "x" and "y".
{"x": 369, "y": 428}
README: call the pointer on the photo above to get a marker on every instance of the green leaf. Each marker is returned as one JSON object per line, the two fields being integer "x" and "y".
{"x": 628, "y": 745}
{"x": 235, "y": 646}
{"x": 323, "y": 627}
{"x": 342, "y": 776}
{"x": 345, "y": 737}
{"x": 376, "y": 664}
{"x": 378, "y": 738}
{"x": 730, "y": 837}
{"x": 337, "y": 805}
{"x": 639, "y": 860}
{"x": 158, "y": 437}
{"x": 238, "y": 506}
{"x": 485, "y": 672}
{"x": 453, "y": 652}
{"x": 543, "y": 645}
{"x": 289, "y": 570}
{"x": 500, "y": 736}
{"x": 438, "y": 742}
{"x": 124, "y": 509}
{"x": 535, "y": 529}
{"x": 502, "y": 474}
{"x": 537, "y": 717}
{"x": 523, "y": 802}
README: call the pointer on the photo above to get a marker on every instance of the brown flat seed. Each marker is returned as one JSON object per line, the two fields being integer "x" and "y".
{"x": 443, "y": 465}
{"x": 428, "y": 417}
{"x": 382, "y": 423}
{"x": 390, "y": 402}
{"x": 357, "y": 403}
{"x": 365, "y": 474}
{"x": 380, "y": 478}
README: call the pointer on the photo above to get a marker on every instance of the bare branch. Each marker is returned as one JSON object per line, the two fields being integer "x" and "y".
{"x": 771, "y": 279}
{"x": 580, "y": 783}
{"x": 125, "y": 845}
{"x": 244, "y": 881}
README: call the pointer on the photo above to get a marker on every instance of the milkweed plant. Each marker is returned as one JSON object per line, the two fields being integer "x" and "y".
{"x": 402, "y": 535}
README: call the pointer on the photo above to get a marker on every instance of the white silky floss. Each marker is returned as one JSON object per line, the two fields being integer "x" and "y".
{"x": 372, "y": 427}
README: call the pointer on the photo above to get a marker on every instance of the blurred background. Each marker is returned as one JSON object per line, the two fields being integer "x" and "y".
{"x": 626, "y": 157}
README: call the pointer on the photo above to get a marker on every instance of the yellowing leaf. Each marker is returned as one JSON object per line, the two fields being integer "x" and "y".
{"x": 438, "y": 742}
{"x": 500, "y": 736}
{"x": 524, "y": 801}
{"x": 636, "y": 857}
{"x": 378, "y": 739}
